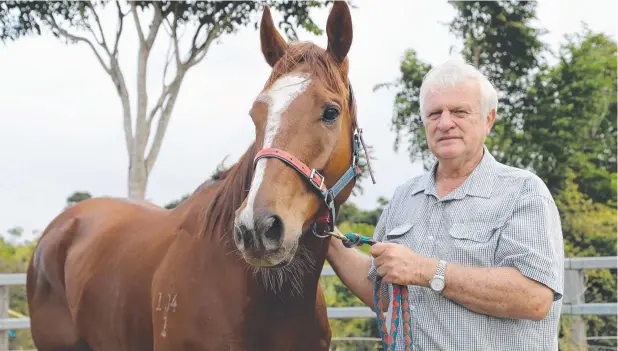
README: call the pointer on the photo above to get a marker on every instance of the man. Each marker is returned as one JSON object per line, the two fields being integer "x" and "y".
{"x": 478, "y": 243}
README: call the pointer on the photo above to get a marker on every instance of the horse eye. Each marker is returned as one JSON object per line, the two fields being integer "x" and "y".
{"x": 330, "y": 114}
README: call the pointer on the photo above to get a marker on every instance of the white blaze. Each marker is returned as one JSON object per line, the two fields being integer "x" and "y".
{"x": 278, "y": 97}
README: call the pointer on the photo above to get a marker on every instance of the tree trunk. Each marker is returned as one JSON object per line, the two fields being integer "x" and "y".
{"x": 138, "y": 178}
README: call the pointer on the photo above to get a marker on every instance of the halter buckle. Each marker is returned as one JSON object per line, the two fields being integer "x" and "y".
{"x": 313, "y": 174}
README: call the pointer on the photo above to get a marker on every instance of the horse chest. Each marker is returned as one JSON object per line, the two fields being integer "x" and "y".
{"x": 248, "y": 325}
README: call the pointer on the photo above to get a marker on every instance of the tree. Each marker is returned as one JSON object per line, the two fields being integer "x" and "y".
{"x": 77, "y": 197}
{"x": 202, "y": 22}
{"x": 406, "y": 119}
{"x": 498, "y": 38}
{"x": 14, "y": 258}
{"x": 352, "y": 214}
{"x": 175, "y": 203}
{"x": 571, "y": 123}
{"x": 589, "y": 230}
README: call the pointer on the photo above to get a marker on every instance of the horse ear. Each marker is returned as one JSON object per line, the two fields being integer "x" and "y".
{"x": 339, "y": 30}
{"x": 273, "y": 44}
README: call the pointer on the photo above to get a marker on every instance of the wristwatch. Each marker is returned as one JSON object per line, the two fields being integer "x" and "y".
{"x": 437, "y": 282}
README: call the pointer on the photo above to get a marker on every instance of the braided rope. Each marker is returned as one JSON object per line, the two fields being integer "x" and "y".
{"x": 401, "y": 305}
{"x": 401, "y": 310}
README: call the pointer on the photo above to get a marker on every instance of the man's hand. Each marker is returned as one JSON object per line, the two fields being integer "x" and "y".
{"x": 397, "y": 264}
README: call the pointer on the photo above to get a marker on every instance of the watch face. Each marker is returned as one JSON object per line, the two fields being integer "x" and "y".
{"x": 437, "y": 284}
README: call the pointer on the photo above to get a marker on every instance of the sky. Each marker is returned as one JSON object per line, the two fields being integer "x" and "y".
{"x": 61, "y": 122}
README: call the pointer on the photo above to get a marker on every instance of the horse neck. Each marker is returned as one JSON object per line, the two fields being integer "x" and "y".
{"x": 209, "y": 213}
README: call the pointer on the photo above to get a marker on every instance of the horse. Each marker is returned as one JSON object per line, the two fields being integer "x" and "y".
{"x": 235, "y": 266}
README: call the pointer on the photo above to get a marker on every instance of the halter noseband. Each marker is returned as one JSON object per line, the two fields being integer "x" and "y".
{"x": 317, "y": 180}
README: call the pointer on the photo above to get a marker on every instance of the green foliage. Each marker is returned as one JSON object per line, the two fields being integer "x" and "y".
{"x": 175, "y": 203}
{"x": 589, "y": 227}
{"x": 351, "y": 213}
{"x": 590, "y": 230}
{"x": 338, "y": 295}
{"x": 573, "y": 120}
{"x": 21, "y": 18}
{"x": 77, "y": 197}
{"x": 14, "y": 259}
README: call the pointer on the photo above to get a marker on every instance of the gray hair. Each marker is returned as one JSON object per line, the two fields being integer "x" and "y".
{"x": 454, "y": 71}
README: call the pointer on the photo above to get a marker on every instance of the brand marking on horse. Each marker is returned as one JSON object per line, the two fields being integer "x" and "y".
{"x": 278, "y": 98}
{"x": 170, "y": 304}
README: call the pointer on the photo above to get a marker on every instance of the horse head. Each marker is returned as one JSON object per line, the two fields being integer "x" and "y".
{"x": 307, "y": 141}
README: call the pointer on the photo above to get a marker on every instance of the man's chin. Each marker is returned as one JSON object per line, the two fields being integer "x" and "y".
{"x": 449, "y": 151}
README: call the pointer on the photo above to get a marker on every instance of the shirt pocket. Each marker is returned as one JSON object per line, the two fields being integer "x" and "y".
{"x": 398, "y": 233}
{"x": 471, "y": 243}
{"x": 403, "y": 234}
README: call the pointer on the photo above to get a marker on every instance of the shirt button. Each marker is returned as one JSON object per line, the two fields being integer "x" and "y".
{"x": 430, "y": 237}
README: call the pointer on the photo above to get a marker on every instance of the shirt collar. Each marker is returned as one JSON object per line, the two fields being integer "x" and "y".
{"x": 479, "y": 183}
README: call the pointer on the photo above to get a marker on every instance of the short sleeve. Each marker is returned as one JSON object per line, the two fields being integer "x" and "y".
{"x": 378, "y": 235}
{"x": 532, "y": 242}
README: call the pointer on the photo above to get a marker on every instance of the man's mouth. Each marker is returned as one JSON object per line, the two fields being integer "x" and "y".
{"x": 448, "y": 138}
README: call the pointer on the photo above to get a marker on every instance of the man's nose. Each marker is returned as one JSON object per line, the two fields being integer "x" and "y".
{"x": 445, "y": 122}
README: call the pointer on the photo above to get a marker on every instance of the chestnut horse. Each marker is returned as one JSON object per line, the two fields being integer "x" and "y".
{"x": 236, "y": 265}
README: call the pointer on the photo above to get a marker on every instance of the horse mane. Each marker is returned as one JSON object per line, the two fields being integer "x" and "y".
{"x": 218, "y": 215}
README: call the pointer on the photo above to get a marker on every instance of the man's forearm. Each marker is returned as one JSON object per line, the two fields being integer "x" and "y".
{"x": 500, "y": 291}
{"x": 352, "y": 266}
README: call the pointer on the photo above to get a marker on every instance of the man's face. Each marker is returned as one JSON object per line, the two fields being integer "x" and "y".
{"x": 453, "y": 123}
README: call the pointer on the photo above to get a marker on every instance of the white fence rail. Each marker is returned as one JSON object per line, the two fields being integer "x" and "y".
{"x": 573, "y": 298}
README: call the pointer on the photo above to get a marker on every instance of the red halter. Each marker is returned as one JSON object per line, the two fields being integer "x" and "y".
{"x": 317, "y": 180}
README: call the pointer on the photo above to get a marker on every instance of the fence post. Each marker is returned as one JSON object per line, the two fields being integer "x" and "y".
{"x": 574, "y": 289}
{"x": 4, "y": 313}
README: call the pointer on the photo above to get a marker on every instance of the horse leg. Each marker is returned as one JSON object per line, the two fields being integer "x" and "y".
{"x": 51, "y": 323}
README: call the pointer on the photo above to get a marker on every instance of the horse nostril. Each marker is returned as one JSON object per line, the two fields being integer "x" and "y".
{"x": 269, "y": 229}
{"x": 273, "y": 228}
{"x": 243, "y": 236}
{"x": 238, "y": 234}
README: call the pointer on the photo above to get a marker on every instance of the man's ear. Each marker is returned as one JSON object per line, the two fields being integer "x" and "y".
{"x": 491, "y": 117}
{"x": 273, "y": 44}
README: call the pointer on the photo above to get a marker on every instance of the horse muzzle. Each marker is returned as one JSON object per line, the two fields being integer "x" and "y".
{"x": 261, "y": 239}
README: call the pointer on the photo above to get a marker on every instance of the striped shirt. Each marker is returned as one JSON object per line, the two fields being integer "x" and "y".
{"x": 500, "y": 216}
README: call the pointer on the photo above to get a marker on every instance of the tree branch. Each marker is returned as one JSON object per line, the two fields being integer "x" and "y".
{"x": 138, "y": 26}
{"x": 198, "y": 53}
{"x": 118, "y": 29}
{"x": 164, "y": 120}
{"x": 194, "y": 40}
{"x": 123, "y": 93}
{"x": 174, "y": 37}
{"x": 66, "y": 34}
{"x": 103, "y": 43}
{"x": 164, "y": 94}
{"x": 113, "y": 70}
{"x": 168, "y": 61}
{"x": 142, "y": 125}
{"x": 154, "y": 27}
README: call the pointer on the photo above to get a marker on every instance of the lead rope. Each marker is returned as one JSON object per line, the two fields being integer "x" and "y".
{"x": 401, "y": 306}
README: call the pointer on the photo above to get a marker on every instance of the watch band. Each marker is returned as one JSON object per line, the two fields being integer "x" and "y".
{"x": 441, "y": 271}
{"x": 438, "y": 281}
